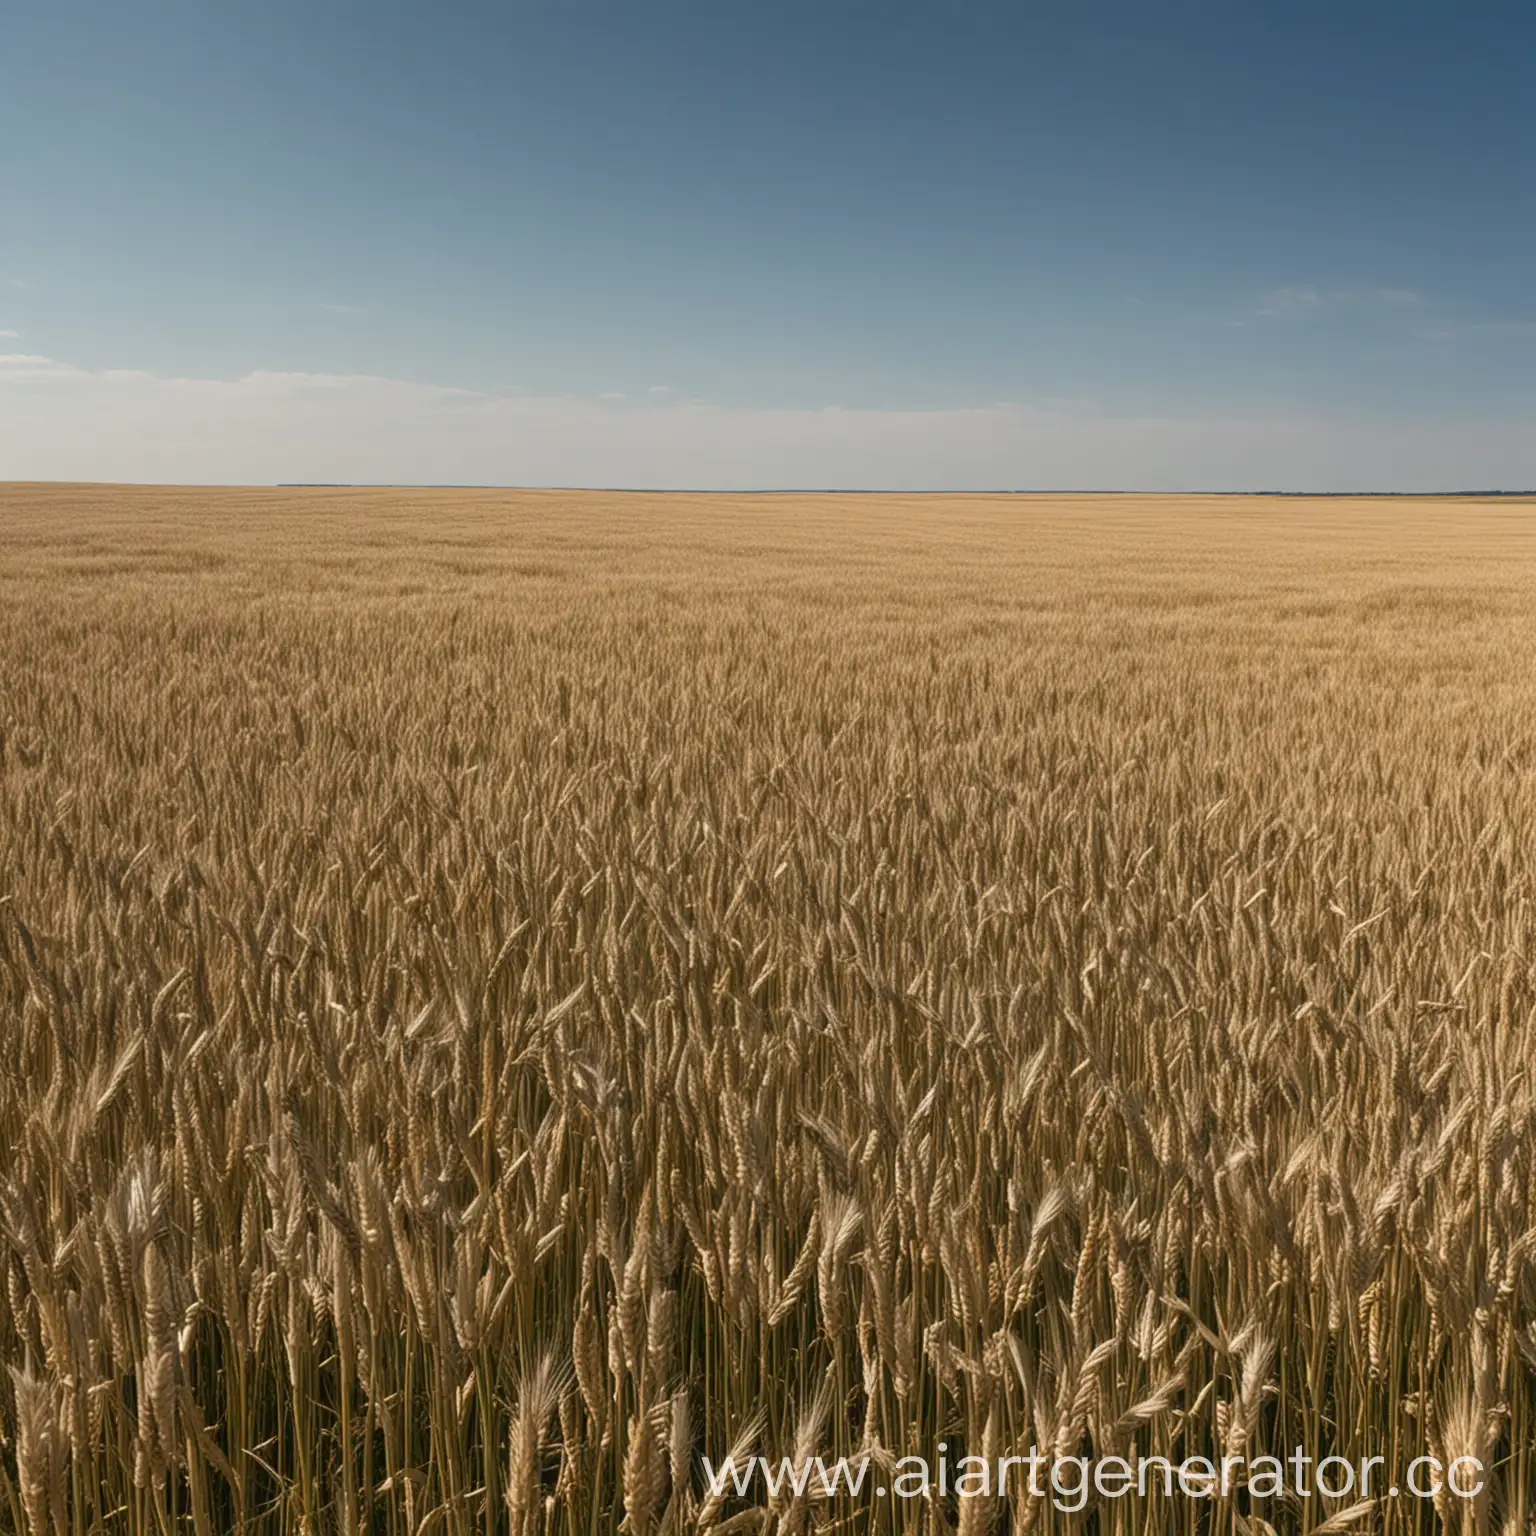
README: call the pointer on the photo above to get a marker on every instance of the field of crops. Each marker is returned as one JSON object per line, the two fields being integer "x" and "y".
{"x": 504, "y": 995}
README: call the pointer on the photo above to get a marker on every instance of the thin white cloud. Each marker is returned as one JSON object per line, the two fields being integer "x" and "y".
{"x": 30, "y": 367}
{"x": 659, "y": 389}
{"x": 60, "y": 422}
{"x": 1303, "y": 301}
{"x": 1290, "y": 303}
{"x": 344, "y": 309}
{"x": 9, "y": 335}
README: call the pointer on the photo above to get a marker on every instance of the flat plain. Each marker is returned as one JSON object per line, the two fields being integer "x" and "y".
{"x": 504, "y": 994}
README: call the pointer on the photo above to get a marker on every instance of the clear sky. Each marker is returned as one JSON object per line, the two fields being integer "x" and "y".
{"x": 1130, "y": 244}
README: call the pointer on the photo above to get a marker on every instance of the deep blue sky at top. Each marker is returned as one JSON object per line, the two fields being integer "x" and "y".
{"x": 1149, "y": 206}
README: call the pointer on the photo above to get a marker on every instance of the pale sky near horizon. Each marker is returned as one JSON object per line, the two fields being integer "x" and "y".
{"x": 1075, "y": 245}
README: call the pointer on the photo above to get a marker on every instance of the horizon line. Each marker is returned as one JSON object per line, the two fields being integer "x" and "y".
{"x": 770, "y": 490}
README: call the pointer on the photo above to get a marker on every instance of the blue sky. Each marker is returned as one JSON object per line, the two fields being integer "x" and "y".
{"x": 720, "y": 242}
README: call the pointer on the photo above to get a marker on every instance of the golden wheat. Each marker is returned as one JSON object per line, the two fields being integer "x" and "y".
{"x": 503, "y": 995}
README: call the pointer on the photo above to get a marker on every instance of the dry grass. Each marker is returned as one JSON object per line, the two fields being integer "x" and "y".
{"x": 502, "y": 993}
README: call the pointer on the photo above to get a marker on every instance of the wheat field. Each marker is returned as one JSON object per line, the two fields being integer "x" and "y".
{"x": 506, "y": 994}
